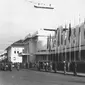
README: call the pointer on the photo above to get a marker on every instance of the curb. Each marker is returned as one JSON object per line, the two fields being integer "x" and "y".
{"x": 62, "y": 72}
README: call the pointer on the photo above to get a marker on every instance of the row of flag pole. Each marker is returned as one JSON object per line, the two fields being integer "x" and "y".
{"x": 60, "y": 39}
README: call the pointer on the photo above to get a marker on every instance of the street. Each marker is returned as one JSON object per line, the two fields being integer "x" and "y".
{"x": 30, "y": 77}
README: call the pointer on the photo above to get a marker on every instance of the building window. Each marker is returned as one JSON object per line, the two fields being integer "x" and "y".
{"x": 14, "y": 58}
{"x": 15, "y": 52}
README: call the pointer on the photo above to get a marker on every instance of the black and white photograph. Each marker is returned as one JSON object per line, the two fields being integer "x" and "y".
{"x": 42, "y": 42}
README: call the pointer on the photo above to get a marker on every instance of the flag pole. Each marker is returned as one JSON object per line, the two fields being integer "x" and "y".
{"x": 65, "y": 42}
{"x": 74, "y": 37}
{"x": 58, "y": 44}
{"x": 70, "y": 42}
{"x": 79, "y": 40}
{"x": 48, "y": 46}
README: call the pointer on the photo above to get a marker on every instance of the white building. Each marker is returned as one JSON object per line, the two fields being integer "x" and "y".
{"x": 14, "y": 50}
{"x": 3, "y": 56}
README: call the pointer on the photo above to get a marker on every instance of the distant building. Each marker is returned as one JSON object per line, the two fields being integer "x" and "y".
{"x": 3, "y": 56}
{"x": 13, "y": 51}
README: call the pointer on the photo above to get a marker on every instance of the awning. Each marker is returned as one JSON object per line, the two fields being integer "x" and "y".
{"x": 27, "y": 54}
{"x": 22, "y": 54}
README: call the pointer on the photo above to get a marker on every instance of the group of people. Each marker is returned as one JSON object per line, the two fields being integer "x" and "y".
{"x": 8, "y": 66}
{"x": 47, "y": 66}
{"x": 74, "y": 67}
{"x": 53, "y": 66}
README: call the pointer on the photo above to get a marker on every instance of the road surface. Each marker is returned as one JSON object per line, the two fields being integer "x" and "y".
{"x": 30, "y": 77}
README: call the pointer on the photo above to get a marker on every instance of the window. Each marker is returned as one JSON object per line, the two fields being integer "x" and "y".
{"x": 14, "y": 58}
{"x": 15, "y": 52}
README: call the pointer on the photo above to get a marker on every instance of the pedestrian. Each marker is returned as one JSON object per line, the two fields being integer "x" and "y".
{"x": 55, "y": 67}
{"x": 75, "y": 68}
{"x": 47, "y": 66}
{"x": 10, "y": 66}
{"x": 18, "y": 66}
{"x": 26, "y": 65}
{"x": 50, "y": 66}
{"x": 64, "y": 67}
{"x": 68, "y": 66}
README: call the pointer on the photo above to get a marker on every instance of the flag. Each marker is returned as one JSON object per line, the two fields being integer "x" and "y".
{"x": 69, "y": 32}
{"x": 79, "y": 40}
{"x": 49, "y": 42}
{"x": 74, "y": 32}
{"x": 74, "y": 42}
{"x": 53, "y": 42}
{"x": 61, "y": 36}
{"x": 58, "y": 40}
{"x": 61, "y": 39}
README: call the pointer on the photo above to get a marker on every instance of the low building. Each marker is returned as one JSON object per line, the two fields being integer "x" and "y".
{"x": 3, "y": 56}
{"x": 13, "y": 51}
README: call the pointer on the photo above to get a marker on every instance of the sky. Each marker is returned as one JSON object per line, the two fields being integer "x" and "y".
{"x": 19, "y": 17}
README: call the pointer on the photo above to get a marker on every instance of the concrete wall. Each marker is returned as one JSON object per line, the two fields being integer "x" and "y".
{"x": 13, "y": 54}
{"x": 9, "y": 53}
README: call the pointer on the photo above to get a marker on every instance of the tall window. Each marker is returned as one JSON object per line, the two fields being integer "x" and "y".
{"x": 15, "y": 52}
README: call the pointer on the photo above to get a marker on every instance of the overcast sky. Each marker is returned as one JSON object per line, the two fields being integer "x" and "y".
{"x": 19, "y": 17}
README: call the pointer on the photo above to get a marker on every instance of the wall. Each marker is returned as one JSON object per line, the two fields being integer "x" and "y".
{"x": 14, "y": 54}
{"x": 9, "y": 53}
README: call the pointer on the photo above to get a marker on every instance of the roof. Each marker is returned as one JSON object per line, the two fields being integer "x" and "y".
{"x": 29, "y": 54}
{"x": 31, "y": 37}
{"x": 17, "y": 43}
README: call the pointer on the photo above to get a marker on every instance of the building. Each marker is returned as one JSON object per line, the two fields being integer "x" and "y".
{"x": 13, "y": 51}
{"x": 69, "y": 46}
{"x": 34, "y": 44}
{"x": 3, "y": 56}
{"x": 28, "y": 54}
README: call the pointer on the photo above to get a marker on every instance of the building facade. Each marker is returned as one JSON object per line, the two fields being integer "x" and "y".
{"x": 67, "y": 45}
{"x": 14, "y": 50}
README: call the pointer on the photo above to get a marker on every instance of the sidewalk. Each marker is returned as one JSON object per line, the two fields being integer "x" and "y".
{"x": 71, "y": 73}
{"x": 62, "y": 72}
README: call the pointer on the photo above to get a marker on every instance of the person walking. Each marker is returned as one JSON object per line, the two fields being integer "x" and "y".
{"x": 18, "y": 66}
{"x": 26, "y": 65}
{"x": 10, "y": 66}
{"x": 64, "y": 67}
{"x": 75, "y": 68}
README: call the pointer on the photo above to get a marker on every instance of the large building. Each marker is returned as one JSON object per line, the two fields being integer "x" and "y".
{"x": 67, "y": 44}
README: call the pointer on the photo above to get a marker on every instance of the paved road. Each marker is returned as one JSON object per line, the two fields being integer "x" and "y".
{"x": 30, "y": 77}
